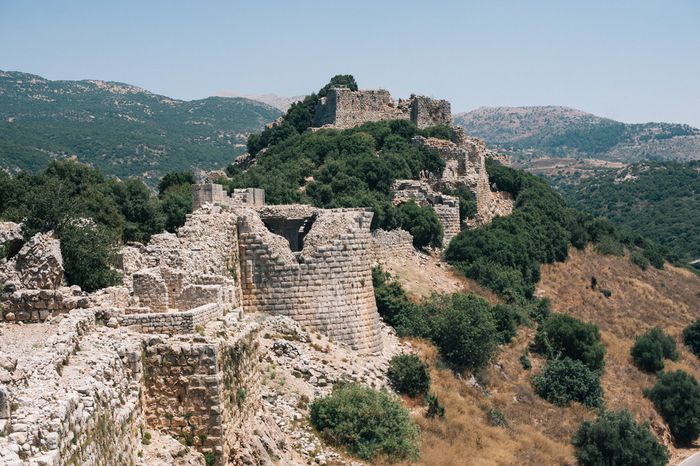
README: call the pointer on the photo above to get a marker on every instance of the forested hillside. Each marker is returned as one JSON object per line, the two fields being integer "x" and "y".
{"x": 534, "y": 132}
{"x": 121, "y": 129}
{"x": 660, "y": 201}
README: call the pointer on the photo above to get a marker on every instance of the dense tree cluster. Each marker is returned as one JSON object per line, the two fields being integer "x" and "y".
{"x": 566, "y": 380}
{"x": 614, "y": 438}
{"x": 91, "y": 213}
{"x": 660, "y": 200}
{"x": 408, "y": 375}
{"x": 466, "y": 328}
{"x": 676, "y": 397}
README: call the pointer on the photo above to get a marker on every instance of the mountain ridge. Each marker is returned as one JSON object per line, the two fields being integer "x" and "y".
{"x": 556, "y": 131}
{"x": 122, "y": 129}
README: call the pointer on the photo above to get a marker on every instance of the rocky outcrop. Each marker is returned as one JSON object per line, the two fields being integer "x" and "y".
{"x": 39, "y": 264}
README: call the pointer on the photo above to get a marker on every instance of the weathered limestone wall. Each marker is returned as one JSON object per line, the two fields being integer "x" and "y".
{"x": 392, "y": 243}
{"x": 76, "y": 398}
{"x": 343, "y": 108}
{"x": 326, "y": 286}
{"x": 184, "y": 272}
{"x": 203, "y": 393}
{"x": 173, "y": 323}
{"x": 446, "y": 207}
{"x": 213, "y": 193}
{"x": 426, "y": 112}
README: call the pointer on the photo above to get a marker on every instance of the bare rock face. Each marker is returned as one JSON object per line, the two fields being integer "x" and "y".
{"x": 39, "y": 263}
{"x": 10, "y": 231}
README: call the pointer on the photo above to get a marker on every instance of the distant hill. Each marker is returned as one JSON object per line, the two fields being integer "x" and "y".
{"x": 659, "y": 200}
{"x": 280, "y": 102}
{"x": 121, "y": 129}
{"x": 535, "y": 132}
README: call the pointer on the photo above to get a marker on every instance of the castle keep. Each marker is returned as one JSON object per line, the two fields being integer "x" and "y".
{"x": 343, "y": 108}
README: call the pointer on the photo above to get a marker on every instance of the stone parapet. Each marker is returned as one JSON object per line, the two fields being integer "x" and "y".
{"x": 172, "y": 323}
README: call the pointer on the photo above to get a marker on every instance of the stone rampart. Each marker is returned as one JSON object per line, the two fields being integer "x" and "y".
{"x": 213, "y": 193}
{"x": 77, "y": 401}
{"x": 446, "y": 207}
{"x": 392, "y": 243}
{"x": 343, "y": 108}
{"x": 326, "y": 285}
{"x": 172, "y": 323}
{"x": 203, "y": 393}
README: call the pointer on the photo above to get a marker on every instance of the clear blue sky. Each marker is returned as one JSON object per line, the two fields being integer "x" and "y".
{"x": 630, "y": 60}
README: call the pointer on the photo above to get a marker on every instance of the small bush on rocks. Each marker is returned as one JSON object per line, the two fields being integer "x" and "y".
{"x": 676, "y": 397}
{"x": 409, "y": 375}
{"x": 368, "y": 423}
{"x": 614, "y": 438}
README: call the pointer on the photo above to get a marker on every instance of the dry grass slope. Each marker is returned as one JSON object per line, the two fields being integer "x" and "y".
{"x": 537, "y": 432}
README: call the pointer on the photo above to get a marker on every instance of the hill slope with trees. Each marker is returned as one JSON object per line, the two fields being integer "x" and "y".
{"x": 121, "y": 129}
{"x": 661, "y": 201}
{"x": 551, "y": 131}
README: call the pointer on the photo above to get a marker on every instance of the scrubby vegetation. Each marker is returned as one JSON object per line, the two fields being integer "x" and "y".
{"x": 651, "y": 348}
{"x": 614, "y": 438}
{"x": 368, "y": 423}
{"x": 506, "y": 254}
{"x": 564, "y": 336}
{"x": 691, "y": 337}
{"x": 409, "y": 375}
{"x": 465, "y": 328}
{"x": 676, "y": 397}
{"x": 566, "y": 380}
{"x": 660, "y": 200}
{"x": 92, "y": 214}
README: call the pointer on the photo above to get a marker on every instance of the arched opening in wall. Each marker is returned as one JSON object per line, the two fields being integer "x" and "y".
{"x": 292, "y": 229}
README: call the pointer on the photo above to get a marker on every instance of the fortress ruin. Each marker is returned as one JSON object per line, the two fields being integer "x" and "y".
{"x": 177, "y": 347}
{"x": 343, "y": 108}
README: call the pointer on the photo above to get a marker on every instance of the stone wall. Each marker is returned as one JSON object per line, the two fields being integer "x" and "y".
{"x": 446, "y": 207}
{"x": 343, "y": 108}
{"x": 75, "y": 398}
{"x": 172, "y": 323}
{"x": 326, "y": 286}
{"x": 213, "y": 193}
{"x": 392, "y": 243}
{"x": 203, "y": 392}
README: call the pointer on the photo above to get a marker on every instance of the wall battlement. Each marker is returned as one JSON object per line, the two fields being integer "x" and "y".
{"x": 343, "y": 108}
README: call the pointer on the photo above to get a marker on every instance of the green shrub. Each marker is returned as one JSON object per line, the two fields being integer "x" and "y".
{"x": 561, "y": 335}
{"x": 650, "y": 349}
{"x": 566, "y": 380}
{"x": 507, "y": 318}
{"x": 676, "y": 397}
{"x": 638, "y": 258}
{"x": 409, "y": 375}
{"x": 466, "y": 332}
{"x": 610, "y": 247}
{"x": 368, "y": 423}
{"x": 614, "y": 438}
{"x": 422, "y": 223}
{"x": 496, "y": 417}
{"x": 435, "y": 409}
{"x": 89, "y": 254}
{"x": 691, "y": 337}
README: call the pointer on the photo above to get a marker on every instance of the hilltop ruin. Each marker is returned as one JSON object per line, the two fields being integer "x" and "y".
{"x": 178, "y": 347}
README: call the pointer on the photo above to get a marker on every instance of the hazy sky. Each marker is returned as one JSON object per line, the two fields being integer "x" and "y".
{"x": 629, "y": 60}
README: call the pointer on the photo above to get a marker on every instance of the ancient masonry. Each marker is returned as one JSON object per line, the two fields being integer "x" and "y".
{"x": 176, "y": 347}
{"x": 343, "y": 108}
